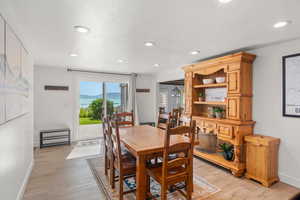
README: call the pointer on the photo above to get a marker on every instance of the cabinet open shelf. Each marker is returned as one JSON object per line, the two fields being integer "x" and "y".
{"x": 216, "y": 158}
{"x": 210, "y": 103}
{"x": 214, "y": 85}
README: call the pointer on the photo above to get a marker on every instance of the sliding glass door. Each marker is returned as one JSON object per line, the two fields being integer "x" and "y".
{"x": 91, "y": 100}
{"x": 116, "y": 97}
{"x": 98, "y": 99}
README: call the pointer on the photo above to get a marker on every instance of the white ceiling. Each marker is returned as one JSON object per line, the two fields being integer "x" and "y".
{"x": 119, "y": 29}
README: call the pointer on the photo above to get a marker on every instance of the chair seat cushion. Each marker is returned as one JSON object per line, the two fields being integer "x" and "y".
{"x": 128, "y": 164}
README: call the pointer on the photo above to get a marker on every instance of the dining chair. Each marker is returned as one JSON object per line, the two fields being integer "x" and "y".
{"x": 176, "y": 170}
{"x": 164, "y": 119}
{"x": 123, "y": 162}
{"x": 162, "y": 110}
{"x": 175, "y": 117}
{"x": 126, "y": 119}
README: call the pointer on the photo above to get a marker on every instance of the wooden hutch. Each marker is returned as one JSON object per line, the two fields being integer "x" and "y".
{"x": 237, "y": 104}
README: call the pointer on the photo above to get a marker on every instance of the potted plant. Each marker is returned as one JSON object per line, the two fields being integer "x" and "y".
{"x": 201, "y": 96}
{"x": 227, "y": 151}
{"x": 218, "y": 111}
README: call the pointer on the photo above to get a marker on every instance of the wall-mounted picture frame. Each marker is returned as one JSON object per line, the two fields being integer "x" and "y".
{"x": 291, "y": 85}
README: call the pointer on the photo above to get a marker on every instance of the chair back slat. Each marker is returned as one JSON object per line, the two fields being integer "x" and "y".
{"x": 177, "y": 162}
{"x": 125, "y": 119}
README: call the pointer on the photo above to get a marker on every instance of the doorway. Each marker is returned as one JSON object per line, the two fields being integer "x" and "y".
{"x": 98, "y": 99}
{"x": 171, "y": 95}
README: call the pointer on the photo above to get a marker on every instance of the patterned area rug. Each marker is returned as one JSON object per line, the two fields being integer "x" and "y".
{"x": 202, "y": 189}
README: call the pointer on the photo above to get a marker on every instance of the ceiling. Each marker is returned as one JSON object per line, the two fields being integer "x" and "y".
{"x": 119, "y": 29}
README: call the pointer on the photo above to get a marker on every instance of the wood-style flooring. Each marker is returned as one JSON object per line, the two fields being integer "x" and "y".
{"x": 55, "y": 178}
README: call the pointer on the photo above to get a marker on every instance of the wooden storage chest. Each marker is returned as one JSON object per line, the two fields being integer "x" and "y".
{"x": 262, "y": 159}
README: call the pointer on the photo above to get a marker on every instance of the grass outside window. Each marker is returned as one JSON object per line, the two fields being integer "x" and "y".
{"x": 88, "y": 121}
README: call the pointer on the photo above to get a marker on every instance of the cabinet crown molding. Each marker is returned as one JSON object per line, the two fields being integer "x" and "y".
{"x": 225, "y": 60}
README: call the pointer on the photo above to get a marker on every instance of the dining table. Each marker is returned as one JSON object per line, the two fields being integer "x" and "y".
{"x": 143, "y": 142}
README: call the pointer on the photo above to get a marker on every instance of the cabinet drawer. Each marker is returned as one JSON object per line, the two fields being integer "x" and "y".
{"x": 225, "y": 131}
{"x": 210, "y": 125}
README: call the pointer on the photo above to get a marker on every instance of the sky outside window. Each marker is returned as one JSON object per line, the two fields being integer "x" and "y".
{"x": 95, "y": 88}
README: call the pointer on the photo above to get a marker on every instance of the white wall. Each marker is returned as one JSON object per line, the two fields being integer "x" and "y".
{"x": 267, "y": 108}
{"x": 170, "y": 74}
{"x": 16, "y": 149}
{"x": 59, "y": 108}
{"x": 52, "y": 109}
{"x": 146, "y": 102}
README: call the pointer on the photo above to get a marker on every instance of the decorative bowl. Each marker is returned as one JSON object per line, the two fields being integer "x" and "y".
{"x": 208, "y": 81}
{"x": 220, "y": 79}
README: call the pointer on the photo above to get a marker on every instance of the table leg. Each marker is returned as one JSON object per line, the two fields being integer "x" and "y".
{"x": 141, "y": 178}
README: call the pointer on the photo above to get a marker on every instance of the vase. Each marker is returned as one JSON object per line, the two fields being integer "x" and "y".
{"x": 219, "y": 115}
{"x": 228, "y": 155}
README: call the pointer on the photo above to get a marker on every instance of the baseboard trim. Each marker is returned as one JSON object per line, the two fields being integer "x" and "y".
{"x": 25, "y": 181}
{"x": 289, "y": 180}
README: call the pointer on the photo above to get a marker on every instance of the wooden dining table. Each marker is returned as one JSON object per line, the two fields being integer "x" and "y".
{"x": 143, "y": 142}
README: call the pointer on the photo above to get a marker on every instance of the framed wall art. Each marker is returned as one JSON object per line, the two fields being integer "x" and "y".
{"x": 291, "y": 85}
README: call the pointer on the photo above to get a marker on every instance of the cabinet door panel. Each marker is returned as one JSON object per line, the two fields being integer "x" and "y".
{"x": 233, "y": 108}
{"x": 233, "y": 82}
{"x": 225, "y": 131}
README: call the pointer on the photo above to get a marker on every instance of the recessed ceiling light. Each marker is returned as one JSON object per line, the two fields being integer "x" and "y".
{"x": 120, "y": 61}
{"x": 73, "y": 54}
{"x": 149, "y": 44}
{"x": 281, "y": 24}
{"x": 81, "y": 29}
{"x": 156, "y": 65}
{"x": 195, "y": 52}
{"x": 225, "y": 1}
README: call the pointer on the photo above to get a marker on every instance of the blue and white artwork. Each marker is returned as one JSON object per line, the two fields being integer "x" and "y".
{"x": 14, "y": 85}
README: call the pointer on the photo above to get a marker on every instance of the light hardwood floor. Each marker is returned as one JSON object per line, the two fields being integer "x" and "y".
{"x": 55, "y": 178}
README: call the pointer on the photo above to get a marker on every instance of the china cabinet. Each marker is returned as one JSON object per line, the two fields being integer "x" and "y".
{"x": 236, "y": 104}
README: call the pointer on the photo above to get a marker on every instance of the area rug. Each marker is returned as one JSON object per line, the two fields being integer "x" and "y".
{"x": 202, "y": 188}
{"x": 86, "y": 149}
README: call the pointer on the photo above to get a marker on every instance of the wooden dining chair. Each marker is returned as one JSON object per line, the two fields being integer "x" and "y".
{"x": 175, "y": 117}
{"x": 164, "y": 120}
{"x": 176, "y": 170}
{"x": 123, "y": 163}
{"x": 162, "y": 110}
{"x": 126, "y": 119}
